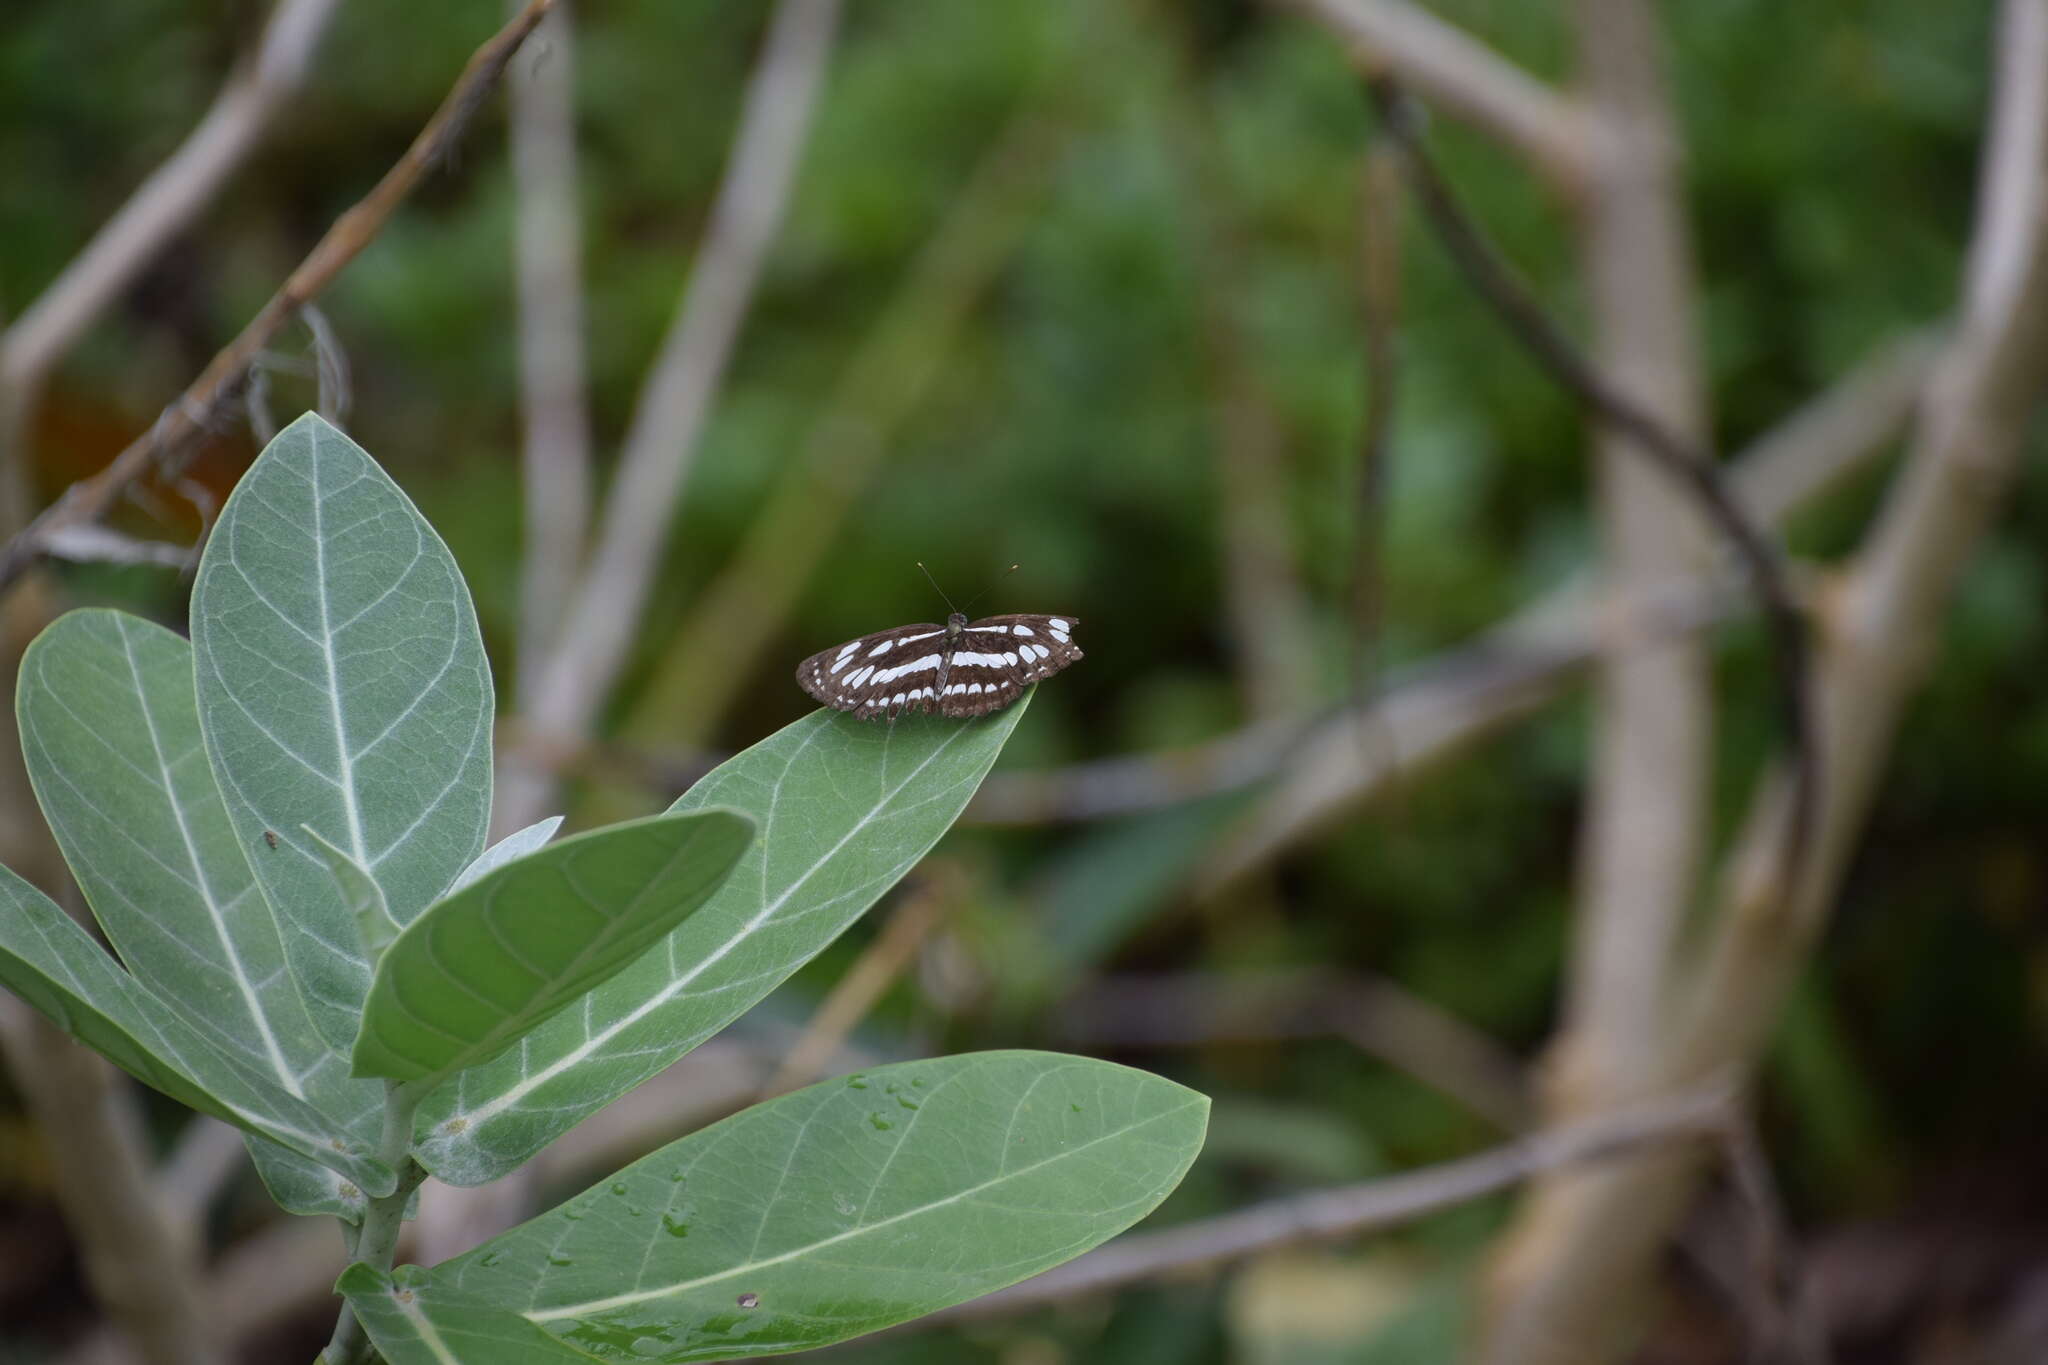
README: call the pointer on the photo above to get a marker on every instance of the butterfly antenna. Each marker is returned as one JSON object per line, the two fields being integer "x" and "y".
{"x": 936, "y": 588}
{"x": 985, "y": 591}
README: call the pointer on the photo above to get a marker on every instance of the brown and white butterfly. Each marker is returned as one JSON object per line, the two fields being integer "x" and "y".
{"x": 958, "y": 669}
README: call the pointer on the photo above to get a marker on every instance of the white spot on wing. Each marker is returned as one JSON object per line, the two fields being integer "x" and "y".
{"x": 883, "y": 648}
{"x": 1021, "y": 629}
{"x": 915, "y": 666}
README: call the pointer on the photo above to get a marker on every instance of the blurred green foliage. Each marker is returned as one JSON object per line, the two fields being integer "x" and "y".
{"x": 1073, "y": 426}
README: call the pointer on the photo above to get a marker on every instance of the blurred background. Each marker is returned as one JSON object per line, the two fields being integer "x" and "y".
{"x": 1090, "y": 286}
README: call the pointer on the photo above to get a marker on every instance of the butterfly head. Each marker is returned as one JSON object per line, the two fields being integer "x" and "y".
{"x": 956, "y": 625}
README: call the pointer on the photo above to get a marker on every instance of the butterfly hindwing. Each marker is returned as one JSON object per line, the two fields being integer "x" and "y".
{"x": 959, "y": 669}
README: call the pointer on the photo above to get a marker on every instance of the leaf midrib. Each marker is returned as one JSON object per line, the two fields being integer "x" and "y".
{"x": 809, "y": 1248}
{"x": 497, "y": 1104}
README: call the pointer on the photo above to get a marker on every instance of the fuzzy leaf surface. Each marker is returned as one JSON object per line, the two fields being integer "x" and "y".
{"x": 835, "y": 1211}
{"x": 342, "y": 687}
{"x": 844, "y": 809}
{"x": 484, "y": 967}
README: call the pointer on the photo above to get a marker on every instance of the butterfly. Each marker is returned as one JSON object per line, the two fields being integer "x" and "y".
{"x": 959, "y": 669}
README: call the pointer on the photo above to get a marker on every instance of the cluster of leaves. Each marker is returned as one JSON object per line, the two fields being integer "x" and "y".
{"x": 1830, "y": 150}
{"x": 280, "y": 826}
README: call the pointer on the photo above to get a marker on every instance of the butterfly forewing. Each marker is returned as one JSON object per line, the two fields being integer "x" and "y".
{"x": 959, "y": 669}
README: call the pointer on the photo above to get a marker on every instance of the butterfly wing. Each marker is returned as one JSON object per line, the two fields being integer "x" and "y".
{"x": 891, "y": 671}
{"x": 999, "y": 656}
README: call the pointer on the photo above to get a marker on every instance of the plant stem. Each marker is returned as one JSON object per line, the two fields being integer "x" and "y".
{"x": 377, "y": 1240}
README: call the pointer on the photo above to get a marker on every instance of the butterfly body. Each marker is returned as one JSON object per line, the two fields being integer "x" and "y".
{"x": 959, "y": 669}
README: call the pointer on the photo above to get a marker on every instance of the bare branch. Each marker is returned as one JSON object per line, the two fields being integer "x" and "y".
{"x": 1885, "y": 624}
{"x": 187, "y": 421}
{"x": 207, "y": 1156}
{"x": 1350, "y": 1210}
{"x": 1465, "y": 77}
{"x": 1510, "y": 669}
{"x": 167, "y": 202}
{"x": 555, "y": 460}
{"x": 138, "y": 1264}
{"x": 857, "y": 991}
{"x": 676, "y": 398}
{"x": 1883, "y": 636}
{"x": 1376, "y": 1015}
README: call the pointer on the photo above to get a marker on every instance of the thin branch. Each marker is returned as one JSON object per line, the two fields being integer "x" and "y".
{"x": 1376, "y": 1015}
{"x": 1882, "y": 637}
{"x": 168, "y": 201}
{"x": 138, "y": 1263}
{"x": 1467, "y": 78}
{"x": 1503, "y": 675}
{"x": 1790, "y": 467}
{"x": 863, "y": 984}
{"x": 553, "y": 388}
{"x": 186, "y": 423}
{"x": 1884, "y": 627}
{"x": 208, "y": 1154}
{"x": 1352, "y": 1210}
{"x": 1688, "y": 464}
{"x": 676, "y": 398}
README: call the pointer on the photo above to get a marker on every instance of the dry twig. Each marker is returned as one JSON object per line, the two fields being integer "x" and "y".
{"x": 554, "y": 404}
{"x": 207, "y": 402}
{"x": 1350, "y": 1210}
{"x": 1459, "y": 73}
{"x": 1574, "y": 1267}
{"x": 164, "y": 204}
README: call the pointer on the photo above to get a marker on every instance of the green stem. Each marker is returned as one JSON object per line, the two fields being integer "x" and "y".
{"x": 377, "y": 1241}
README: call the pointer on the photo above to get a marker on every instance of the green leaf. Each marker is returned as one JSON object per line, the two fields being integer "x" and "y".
{"x": 838, "y": 1210}
{"x": 304, "y": 1187}
{"x": 375, "y": 929}
{"x": 480, "y": 969}
{"x": 54, "y": 965}
{"x": 459, "y": 1333}
{"x": 343, "y": 688}
{"x": 845, "y": 808}
{"x": 110, "y": 735}
{"x": 517, "y": 844}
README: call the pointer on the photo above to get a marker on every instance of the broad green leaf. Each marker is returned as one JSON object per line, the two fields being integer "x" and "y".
{"x": 838, "y": 1210}
{"x": 517, "y": 844}
{"x": 844, "y": 807}
{"x": 390, "y": 1306}
{"x": 343, "y": 688}
{"x": 54, "y": 965}
{"x": 375, "y": 929}
{"x": 110, "y": 735}
{"x": 304, "y": 1187}
{"x": 482, "y": 968}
